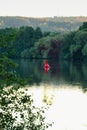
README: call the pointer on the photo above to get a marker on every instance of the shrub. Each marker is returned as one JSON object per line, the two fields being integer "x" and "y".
{"x": 17, "y": 111}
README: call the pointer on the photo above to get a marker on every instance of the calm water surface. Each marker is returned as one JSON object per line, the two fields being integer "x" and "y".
{"x": 59, "y": 73}
{"x": 63, "y": 88}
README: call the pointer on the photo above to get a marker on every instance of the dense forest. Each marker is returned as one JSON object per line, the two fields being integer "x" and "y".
{"x": 27, "y": 42}
{"x": 75, "y": 44}
{"x": 52, "y": 24}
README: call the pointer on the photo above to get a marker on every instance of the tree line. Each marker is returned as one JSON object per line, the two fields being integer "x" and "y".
{"x": 75, "y": 44}
{"x": 27, "y": 42}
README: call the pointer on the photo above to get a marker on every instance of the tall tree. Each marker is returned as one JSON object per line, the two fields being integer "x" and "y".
{"x": 38, "y": 34}
{"x": 8, "y": 74}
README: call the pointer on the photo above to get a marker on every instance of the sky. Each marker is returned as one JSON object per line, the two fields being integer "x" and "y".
{"x": 43, "y": 8}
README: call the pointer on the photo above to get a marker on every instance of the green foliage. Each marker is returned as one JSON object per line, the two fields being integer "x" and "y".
{"x": 24, "y": 40}
{"x": 41, "y": 46}
{"x": 81, "y": 37}
{"x": 17, "y": 111}
{"x": 38, "y": 34}
{"x": 7, "y": 37}
{"x": 84, "y": 26}
{"x": 74, "y": 46}
{"x": 7, "y": 70}
{"x": 48, "y": 47}
{"x": 84, "y": 50}
{"x": 27, "y": 42}
{"x": 80, "y": 40}
{"x": 17, "y": 42}
{"x": 8, "y": 75}
{"x": 25, "y": 53}
{"x": 67, "y": 46}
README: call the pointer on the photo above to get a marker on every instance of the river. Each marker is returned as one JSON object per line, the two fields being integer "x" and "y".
{"x": 63, "y": 87}
{"x": 59, "y": 73}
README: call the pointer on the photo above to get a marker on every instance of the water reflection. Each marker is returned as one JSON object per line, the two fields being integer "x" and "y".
{"x": 59, "y": 72}
{"x": 68, "y": 108}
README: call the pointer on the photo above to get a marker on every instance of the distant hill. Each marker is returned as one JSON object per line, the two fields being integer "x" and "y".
{"x": 54, "y": 24}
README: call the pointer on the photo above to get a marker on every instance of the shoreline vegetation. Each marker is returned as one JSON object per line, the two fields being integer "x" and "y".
{"x": 19, "y": 112}
{"x": 27, "y": 42}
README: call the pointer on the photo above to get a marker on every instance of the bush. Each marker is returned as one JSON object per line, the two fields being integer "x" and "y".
{"x": 17, "y": 111}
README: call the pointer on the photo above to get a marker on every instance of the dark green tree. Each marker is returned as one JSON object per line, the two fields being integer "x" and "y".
{"x": 68, "y": 40}
{"x": 38, "y": 34}
{"x": 84, "y": 26}
{"x": 8, "y": 75}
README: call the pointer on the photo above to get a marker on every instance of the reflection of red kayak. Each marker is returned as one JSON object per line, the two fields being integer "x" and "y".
{"x": 47, "y": 66}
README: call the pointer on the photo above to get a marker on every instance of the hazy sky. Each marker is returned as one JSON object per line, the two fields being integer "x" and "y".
{"x": 43, "y": 8}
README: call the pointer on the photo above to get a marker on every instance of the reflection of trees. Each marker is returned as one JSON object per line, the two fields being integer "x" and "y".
{"x": 84, "y": 69}
{"x": 75, "y": 73}
{"x": 59, "y": 73}
{"x": 28, "y": 69}
{"x": 55, "y": 68}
